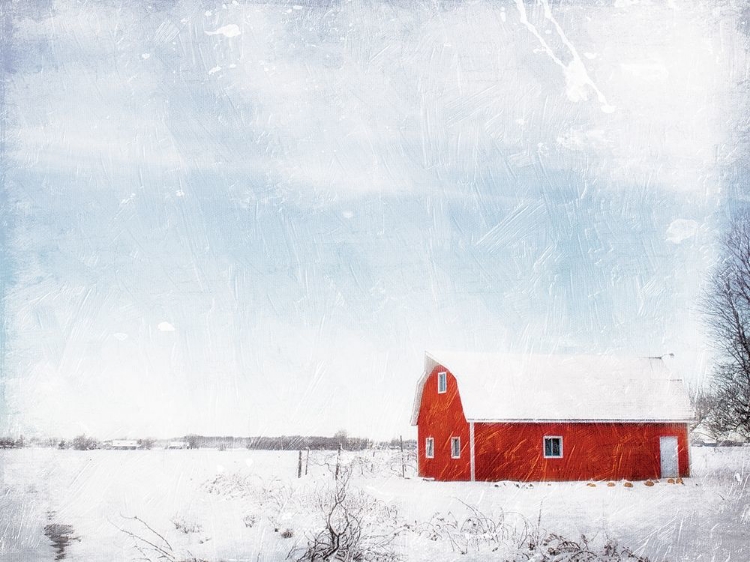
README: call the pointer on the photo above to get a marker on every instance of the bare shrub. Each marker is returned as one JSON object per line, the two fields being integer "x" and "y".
{"x": 480, "y": 529}
{"x": 231, "y": 485}
{"x": 271, "y": 498}
{"x": 356, "y": 527}
{"x": 444, "y": 527}
{"x": 276, "y": 495}
{"x": 518, "y": 540}
{"x": 152, "y": 546}
{"x": 186, "y": 527}
{"x": 556, "y": 548}
{"x": 274, "y": 499}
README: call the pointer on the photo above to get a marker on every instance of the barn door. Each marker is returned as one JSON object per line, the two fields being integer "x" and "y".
{"x": 668, "y": 452}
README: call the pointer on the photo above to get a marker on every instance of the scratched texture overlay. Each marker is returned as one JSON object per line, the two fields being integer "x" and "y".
{"x": 252, "y": 218}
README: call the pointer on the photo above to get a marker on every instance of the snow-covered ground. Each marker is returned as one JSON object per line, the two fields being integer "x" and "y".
{"x": 249, "y": 505}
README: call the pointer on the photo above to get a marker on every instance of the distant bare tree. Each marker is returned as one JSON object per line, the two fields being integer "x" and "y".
{"x": 341, "y": 437}
{"x": 10, "y": 443}
{"x": 84, "y": 443}
{"x": 727, "y": 309}
{"x": 709, "y": 413}
{"x": 146, "y": 443}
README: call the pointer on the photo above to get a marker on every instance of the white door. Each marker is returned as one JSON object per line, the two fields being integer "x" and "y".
{"x": 668, "y": 452}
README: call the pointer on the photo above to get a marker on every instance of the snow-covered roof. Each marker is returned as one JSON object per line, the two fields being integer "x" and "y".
{"x": 531, "y": 387}
{"x": 124, "y": 443}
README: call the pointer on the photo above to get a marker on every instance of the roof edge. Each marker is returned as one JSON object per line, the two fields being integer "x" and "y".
{"x": 430, "y": 362}
{"x": 572, "y": 420}
{"x": 418, "y": 399}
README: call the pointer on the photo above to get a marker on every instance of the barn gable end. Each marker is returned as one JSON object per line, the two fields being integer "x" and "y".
{"x": 440, "y": 417}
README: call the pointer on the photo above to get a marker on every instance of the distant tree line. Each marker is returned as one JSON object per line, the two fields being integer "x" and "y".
{"x": 288, "y": 442}
{"x": 341, "y": 440}
{"x": 10, "y": 443}
{"x": 297, "y": 442}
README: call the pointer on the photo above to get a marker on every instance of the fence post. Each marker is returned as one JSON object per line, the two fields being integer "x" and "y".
{"x": 403, "y": 463}
{"x": 299, "y": 465}
{"x": 307, "y": 460}
{"x": 338, "y": 463}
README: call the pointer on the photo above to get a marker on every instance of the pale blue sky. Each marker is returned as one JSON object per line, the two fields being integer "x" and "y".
{"x": 247, "y": 218}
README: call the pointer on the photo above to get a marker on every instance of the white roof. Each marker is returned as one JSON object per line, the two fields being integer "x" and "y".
{"x": 529, "y": 387}
{"x": 124, "y": 443}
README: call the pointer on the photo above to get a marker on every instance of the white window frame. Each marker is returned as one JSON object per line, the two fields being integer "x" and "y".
{"x": 544, "y": 446}
{"x": 429, "y": 448}
{"x": 442, "y": 382}
{"x": 457, "y": 448}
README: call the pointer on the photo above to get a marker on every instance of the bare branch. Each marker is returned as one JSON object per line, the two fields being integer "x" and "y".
{"x": 726, "y": 307}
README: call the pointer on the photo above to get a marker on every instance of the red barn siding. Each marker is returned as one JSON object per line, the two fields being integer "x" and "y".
{"x": 514, "y": 451}
{"x": 591, "y": 451}
{"x": 441, "y": 416}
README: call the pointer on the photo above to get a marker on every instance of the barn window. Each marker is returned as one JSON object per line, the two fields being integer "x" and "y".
{"x": 429, "y": 448}
{"x": 553, "y": 447}
{"x": 455, "y": 447}
{"x": 442, "y": 382}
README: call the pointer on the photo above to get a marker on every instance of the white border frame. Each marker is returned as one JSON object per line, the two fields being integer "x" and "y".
{"x": 544, "y": 448}
{"x": 427, "y": 441}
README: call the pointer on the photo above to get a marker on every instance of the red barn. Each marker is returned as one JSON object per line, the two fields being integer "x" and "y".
{"x": 550, "y": 417}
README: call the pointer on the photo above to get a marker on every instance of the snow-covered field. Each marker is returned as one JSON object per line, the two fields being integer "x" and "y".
{"x": 249, "y": 505}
